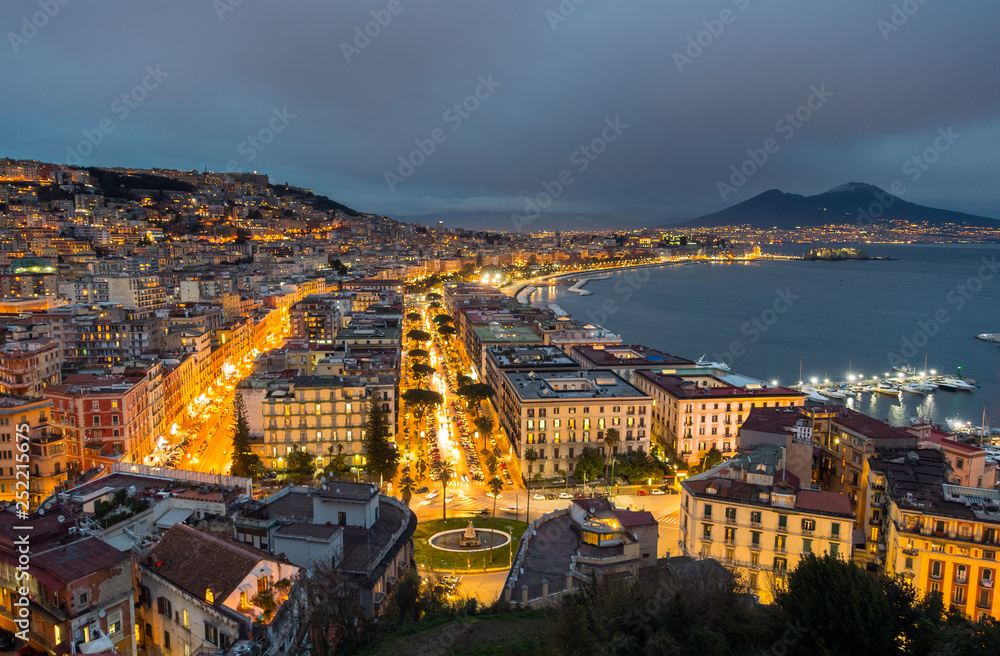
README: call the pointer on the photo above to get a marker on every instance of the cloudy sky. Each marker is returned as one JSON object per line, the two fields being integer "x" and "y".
{"x": 467, "y": 110}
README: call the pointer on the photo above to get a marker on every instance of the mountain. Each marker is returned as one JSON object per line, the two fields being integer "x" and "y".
{"x": 854, "y": 202}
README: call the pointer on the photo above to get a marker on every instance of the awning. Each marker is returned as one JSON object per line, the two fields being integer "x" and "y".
{"x": 175, "y": 516}
{"x": 97, "y": 646}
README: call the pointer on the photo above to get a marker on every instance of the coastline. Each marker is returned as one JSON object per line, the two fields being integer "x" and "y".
{"x": 516, "y": 290}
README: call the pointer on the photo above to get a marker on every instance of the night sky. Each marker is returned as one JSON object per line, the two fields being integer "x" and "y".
{"x": 641, "y": 108}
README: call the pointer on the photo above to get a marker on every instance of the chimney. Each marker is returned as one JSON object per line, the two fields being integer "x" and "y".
{"x": 545, "y": 588}
{"x": 569, "y": 582}
{"x": 524, "y": 595}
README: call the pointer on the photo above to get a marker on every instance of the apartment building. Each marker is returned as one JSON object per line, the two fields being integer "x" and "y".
{"x": 201, "y": 593}
{"x": 318, "y": 414}
{"x": 942, "y": 538}
{"x": 560, "y": 413}
{"x": 699, "y": 410}
{"x": 103, "y": 415}
{"x": 47, "y": 464}
{"x": 365, "y": 534}
{"x": 847, "y": 439}
{"x": 27, "y": 366}
{"x": 759, "y": 520}
{"x": 969, "y": 464}
{"x": 80, "y": 587}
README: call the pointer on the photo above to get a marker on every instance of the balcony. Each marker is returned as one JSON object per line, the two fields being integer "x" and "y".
{"x": 986, "y": 584}
{"x": 961, "y": 579}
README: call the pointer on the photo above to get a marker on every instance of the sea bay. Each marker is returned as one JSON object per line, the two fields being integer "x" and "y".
{"x": 837, "y": 319}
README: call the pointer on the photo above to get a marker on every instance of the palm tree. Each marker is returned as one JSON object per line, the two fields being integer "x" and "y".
{"x": 406, "y": 488}
{"x": 485, "y": 426}
{"x": 445, "y": 471}
{"x": 491, "y": 461}
{"x": 495, "y": 485}
{"x": 565, "y": 475}
{"x": 611, "y": 439}
{"x": 421, "y": 468}
{"x": 530, "y": 457}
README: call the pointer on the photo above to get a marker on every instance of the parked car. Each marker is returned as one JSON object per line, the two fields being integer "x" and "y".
{"x": 580, "y": 495}
{"x": 670, "y": 490}
{"x": 565, "y": 495}
{"x": 423, "y": 490}
{"x": 658, "y": 491}
{"x": 643, "y": 493}
{"x": 537, "y": 496}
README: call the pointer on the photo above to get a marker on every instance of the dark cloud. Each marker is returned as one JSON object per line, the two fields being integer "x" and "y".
{"x": 558, "y": 82}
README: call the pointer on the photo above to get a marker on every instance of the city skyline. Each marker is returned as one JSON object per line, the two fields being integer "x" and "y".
{"x": 676, "y": 100}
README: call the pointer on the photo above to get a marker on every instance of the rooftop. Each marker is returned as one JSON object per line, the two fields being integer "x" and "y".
{"x": 194, "y": 561}
{"x": 522, "y": 357}
{"x": 632, "y": 356}
{"x": 76, "y": 560}
{"x": 682, "y": 388}
{"x": 571, "y": 385}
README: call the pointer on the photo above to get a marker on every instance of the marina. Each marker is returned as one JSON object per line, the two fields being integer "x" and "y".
{"x": 904, "y": 383}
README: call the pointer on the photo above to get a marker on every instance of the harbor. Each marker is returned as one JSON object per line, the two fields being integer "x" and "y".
{"x": 903, "y": 384}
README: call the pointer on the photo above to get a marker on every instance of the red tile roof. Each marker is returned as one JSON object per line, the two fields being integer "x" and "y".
{"x": 194, "y": 561}
{"x": 632, "y": 518}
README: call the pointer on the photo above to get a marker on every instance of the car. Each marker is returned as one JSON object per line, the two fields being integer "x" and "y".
{"x": 537, "y": 496}
{"x": 579, "y": 495}
{"x": 658, "y": 491}
{"x": 643, "y": 493}
{"x": 565, "y": 495}
{"x": 550, "y": 496}
{"x": 671, "y": 490}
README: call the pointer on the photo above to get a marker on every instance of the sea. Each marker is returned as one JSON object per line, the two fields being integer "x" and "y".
{"x": 787, "y": 321}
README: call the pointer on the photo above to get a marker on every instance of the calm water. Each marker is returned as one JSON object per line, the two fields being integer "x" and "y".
{"x": 833, "y": 317}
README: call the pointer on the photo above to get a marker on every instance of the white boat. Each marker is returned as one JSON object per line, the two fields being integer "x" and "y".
{"x": 833, "y": 394}
{"x": 912, "y": 389}
{"x": 989, "y": 337}
{"x": 956, "y": 424}
{"x": 812, "y": 394}
{"x": 954, "y": 384}
{"x": 888, "y": 391}
{"x": 702, "y": 362}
